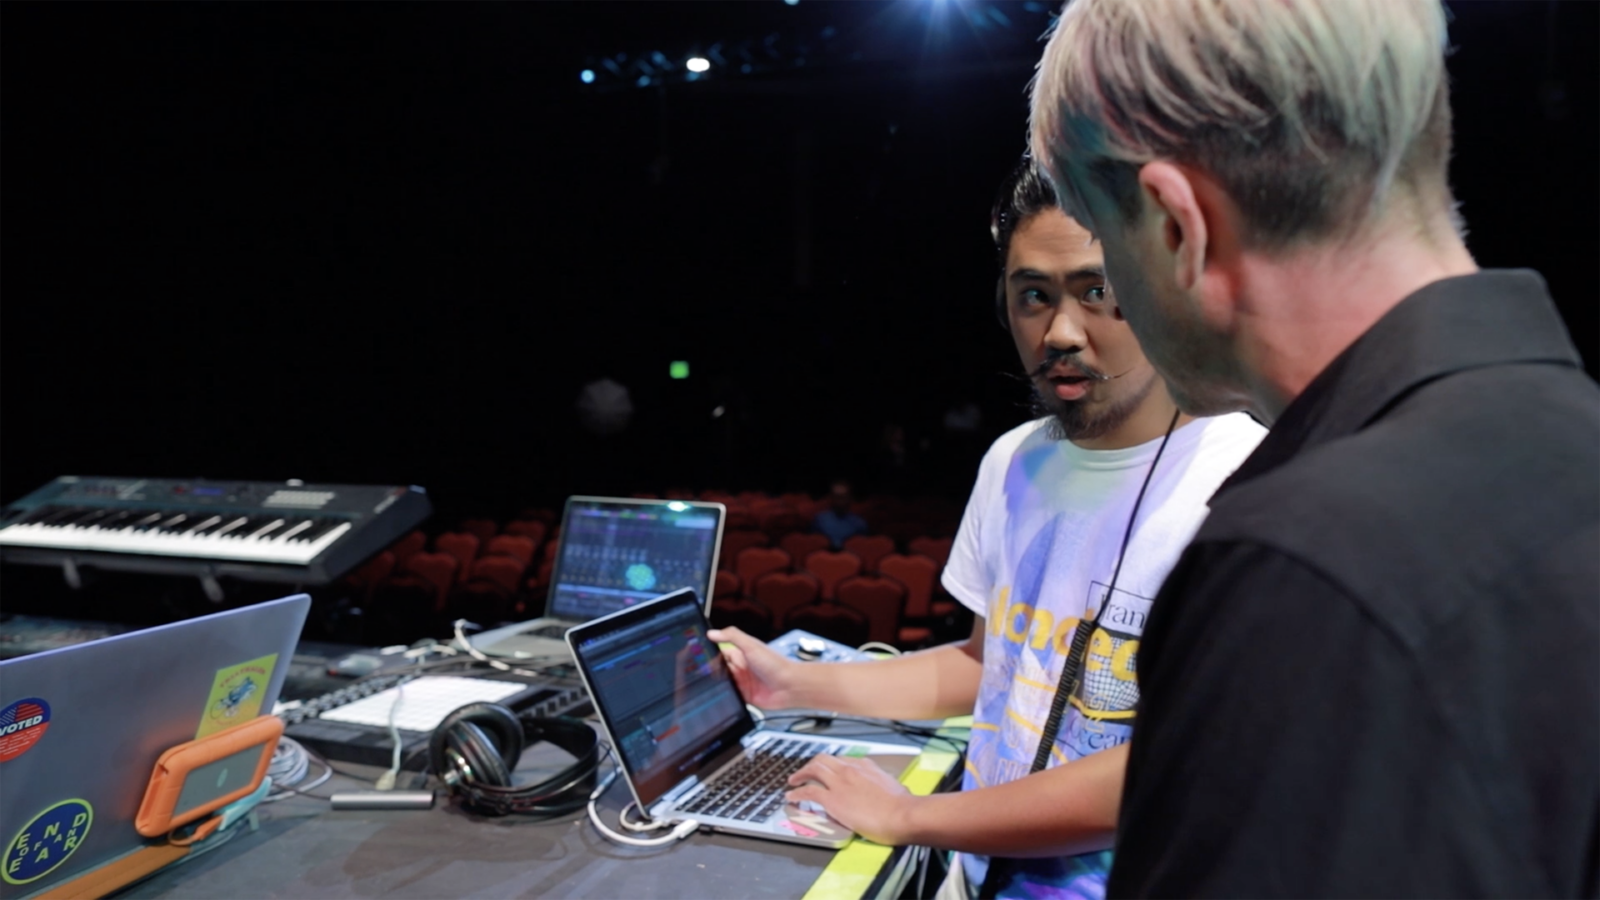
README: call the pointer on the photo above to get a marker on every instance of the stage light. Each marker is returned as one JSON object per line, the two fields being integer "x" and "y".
{"x": 791, "y": 2}
{"x": 698, "y": 64}
{"x": 586, "y": 76}
{"x": 679, "y": 369}
{"x": 717, "y": 413}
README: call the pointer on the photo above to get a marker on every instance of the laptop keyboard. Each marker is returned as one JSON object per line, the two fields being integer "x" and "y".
{"x": 752, "y": 789}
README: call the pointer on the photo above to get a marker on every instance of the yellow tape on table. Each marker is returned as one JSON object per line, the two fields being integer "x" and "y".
{"x": 857, "y": 864}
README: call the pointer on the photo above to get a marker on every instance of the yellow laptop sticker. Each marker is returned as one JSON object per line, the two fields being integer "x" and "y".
{"x": 236, "y": 695}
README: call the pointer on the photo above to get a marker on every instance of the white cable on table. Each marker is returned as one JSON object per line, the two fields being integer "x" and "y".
{"x": 290, "y": 763}
{"x": 879, "y": 647}
{"x": 683, "y": 829}
{"x": 386, "y": 781}
{"x": 480, "y": 656}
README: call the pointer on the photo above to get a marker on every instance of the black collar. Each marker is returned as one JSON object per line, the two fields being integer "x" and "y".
{"x": 1489, "y": 318}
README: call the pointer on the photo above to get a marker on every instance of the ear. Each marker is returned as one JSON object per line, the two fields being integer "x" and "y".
{"x": 1170, "y": 201}
{"x": 1198, "y": 227}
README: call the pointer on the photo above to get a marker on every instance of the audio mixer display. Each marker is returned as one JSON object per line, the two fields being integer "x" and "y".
{"x": 615, "y": 555}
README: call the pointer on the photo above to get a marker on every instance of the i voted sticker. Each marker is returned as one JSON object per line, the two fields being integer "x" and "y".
{"x": 22, "y": 724}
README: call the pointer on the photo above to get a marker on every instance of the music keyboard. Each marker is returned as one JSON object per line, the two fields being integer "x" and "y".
{"x": 254, "y": 530}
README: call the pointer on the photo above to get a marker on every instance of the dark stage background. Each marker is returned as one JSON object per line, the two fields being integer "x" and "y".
{"x": 388, "y": 243}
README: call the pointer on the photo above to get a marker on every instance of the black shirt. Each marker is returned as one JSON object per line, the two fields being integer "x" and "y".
{"x": 1376, "y": 671}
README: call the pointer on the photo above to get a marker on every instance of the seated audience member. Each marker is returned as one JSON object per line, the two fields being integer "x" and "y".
{"x": 1076, "y": 517}
{"x": 836, "y": 521}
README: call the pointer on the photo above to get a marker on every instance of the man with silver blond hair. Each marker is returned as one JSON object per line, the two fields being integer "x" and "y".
{"x": 1373, "y": 670}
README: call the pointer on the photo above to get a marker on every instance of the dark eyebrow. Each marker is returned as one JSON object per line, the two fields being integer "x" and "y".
{"x": 1079, "y": 274}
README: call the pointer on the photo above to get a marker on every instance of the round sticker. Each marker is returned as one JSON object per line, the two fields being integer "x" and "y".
{"x": 22, "y": 724}
{"x": 47, "y": 841}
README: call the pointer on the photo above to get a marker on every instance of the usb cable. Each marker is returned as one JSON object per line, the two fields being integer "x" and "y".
{"x": 678, "y": 833}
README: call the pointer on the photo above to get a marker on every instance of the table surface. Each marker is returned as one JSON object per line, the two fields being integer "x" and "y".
{"x": 304, "y": 849}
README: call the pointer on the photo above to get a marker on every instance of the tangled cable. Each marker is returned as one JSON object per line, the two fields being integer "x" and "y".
{"x": 290, "y": 763}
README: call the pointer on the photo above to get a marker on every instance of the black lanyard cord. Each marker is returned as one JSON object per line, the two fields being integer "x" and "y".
{"x": 1072, "y": 666}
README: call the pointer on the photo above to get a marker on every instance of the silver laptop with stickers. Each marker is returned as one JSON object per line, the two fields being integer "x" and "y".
{"x": 81, "y": 728}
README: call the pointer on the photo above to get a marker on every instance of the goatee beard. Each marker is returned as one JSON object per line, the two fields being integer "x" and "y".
{"x": 1071, "y": 420}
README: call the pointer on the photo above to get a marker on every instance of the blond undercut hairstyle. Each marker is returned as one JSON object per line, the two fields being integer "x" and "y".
{"x": 1313, "y": 115}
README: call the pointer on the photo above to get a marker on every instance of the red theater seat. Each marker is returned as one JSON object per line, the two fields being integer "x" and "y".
{"x": 528, "y": 528}
{"x": 871, "y": 548}
{"x": 754, "y": 562}
{"x": 415, "y": 542}
{"x": 514, "y": 546}
{"x": 505, "y": 571}
{"x": 781, "y": 592}
{"x": 800, "y": 545}
{"x": 726, "y": 584}
{"x": 881, "y": 600}
{"x": 483, "y": 529}
{"x": 917, "y": 573}
{"x": 460, "y": 545}
{"x": 438, "y": 569}
{"x": 832, "y": 568}
{"x": 944, "y": 605}
{"x": 777, "y": 521}
{"x": 735, "y": 543}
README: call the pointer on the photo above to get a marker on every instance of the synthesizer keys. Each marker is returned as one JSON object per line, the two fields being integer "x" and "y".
{"x": 257, "y": 531}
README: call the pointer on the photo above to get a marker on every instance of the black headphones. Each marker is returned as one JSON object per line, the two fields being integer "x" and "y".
{"x": 476, "y": 748}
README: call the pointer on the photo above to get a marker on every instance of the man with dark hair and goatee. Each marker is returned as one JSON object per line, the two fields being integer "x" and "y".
{"x": 1074, "y": 522}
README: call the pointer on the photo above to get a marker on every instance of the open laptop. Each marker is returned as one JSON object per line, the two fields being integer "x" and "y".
{"x": 81, "y": 728}
{"x": 615, "y": 553}
{"x": 684, "y": 738}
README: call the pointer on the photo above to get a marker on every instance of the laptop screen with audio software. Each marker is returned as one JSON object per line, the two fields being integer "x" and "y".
{"x": 616, "y": 553}
{"x": 663, "y": 690}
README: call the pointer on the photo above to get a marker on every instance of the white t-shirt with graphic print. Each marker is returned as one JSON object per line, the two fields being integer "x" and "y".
{"x": 1034, "y": 557}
